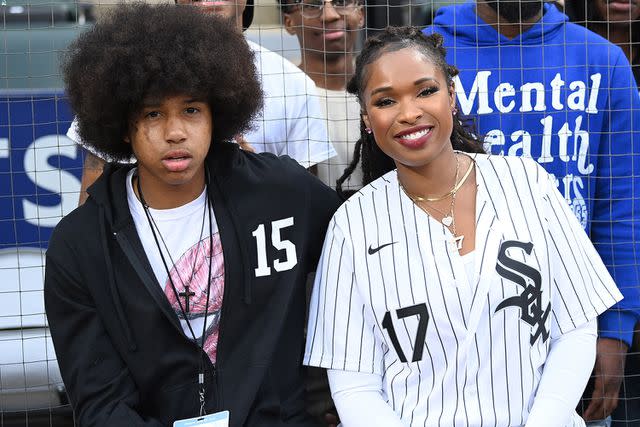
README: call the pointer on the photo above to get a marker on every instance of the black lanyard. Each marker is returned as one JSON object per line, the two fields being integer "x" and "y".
{"x": 154, "y": 227}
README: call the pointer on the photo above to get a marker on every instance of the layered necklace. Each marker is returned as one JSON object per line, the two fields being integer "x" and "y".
{"x": 448, "y": 218}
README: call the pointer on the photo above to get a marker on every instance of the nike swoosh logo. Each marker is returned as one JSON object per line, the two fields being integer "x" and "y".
{"x": 374, "y": 250}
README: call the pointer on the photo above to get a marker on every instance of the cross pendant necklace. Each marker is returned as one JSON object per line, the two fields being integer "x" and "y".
{"x": 186, "y": 295}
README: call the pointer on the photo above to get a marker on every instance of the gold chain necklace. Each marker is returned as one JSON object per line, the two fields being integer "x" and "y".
{"x": 448, "y": 219}
{"x": 456, "y": 186}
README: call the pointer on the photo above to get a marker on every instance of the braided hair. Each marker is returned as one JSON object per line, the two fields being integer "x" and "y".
{"x": 375, "y": 162}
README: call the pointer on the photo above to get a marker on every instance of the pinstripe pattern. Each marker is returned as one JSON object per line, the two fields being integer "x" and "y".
{"x": 480, "y": 364}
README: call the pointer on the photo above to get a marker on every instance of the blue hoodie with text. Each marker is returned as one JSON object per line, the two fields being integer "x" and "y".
{"x": 567, "y": 98}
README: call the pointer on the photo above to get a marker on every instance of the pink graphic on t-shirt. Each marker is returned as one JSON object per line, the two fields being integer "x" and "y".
{"x": 189, "y": 276}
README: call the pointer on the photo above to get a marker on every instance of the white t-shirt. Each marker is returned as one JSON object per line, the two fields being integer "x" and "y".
{"x": 291, "y": 122}
{"x": 183, "y": 236}
{"x": 342, "y": 112}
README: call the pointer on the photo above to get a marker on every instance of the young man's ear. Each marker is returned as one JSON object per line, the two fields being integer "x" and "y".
{"x": 360, "y": 12}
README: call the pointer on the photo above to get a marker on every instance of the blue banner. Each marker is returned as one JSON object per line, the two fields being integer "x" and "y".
{"x": 40, "y": 168}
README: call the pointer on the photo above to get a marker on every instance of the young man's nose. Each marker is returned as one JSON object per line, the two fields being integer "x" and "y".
{"x": 175, "y": 129}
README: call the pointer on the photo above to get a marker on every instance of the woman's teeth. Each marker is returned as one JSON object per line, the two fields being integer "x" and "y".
{"x": 416, "y": 135}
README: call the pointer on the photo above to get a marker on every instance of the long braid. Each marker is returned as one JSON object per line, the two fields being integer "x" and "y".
{"x": 374, "y": 161}
{"x": 344, "y": 194}
{"x": 378, "y": 163}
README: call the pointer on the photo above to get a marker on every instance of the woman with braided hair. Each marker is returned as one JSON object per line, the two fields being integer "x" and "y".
{"x": 374, "y": 161}
{"x": 455, "y": 288}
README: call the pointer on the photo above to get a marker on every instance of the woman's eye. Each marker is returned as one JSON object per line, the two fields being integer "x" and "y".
{"x": 383, "y": 102}
{"x": 152, "y": 114}
{"x": 191, "y": 110}
{"x": 428, "y": 91}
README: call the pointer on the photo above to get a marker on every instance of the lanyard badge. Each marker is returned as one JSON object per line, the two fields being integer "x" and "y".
{"x": 219, "y": 419}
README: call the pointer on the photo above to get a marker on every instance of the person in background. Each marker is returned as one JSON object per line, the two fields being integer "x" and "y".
{"x": 616, "y": 21}
{"x": 619, "y": 22}
{"x": 540, "y": 86}
{"x": 291, "y": 121}
{"x": 177, "y": 290}
{"x": 327, "y": 32}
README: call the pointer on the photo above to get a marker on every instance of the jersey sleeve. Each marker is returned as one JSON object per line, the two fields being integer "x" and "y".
{"x": 581, "y": 287}
{"x": 614, "y": 229}
{"x": 340, "y": 334}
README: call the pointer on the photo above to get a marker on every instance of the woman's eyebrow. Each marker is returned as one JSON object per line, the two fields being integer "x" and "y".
{"x": 416, "y": 83}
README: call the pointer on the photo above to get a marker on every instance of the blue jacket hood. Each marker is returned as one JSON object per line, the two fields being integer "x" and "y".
{"x": 462, "y": 22}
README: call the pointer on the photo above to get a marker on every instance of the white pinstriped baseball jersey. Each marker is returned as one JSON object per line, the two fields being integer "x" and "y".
{"x": 392, "y": 296}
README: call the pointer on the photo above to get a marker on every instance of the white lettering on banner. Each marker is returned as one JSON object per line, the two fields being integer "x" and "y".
{"x": 52, "y": 179}
{"x": 4, "y": 148}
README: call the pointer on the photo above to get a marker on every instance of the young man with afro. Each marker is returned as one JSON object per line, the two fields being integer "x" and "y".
{"x": 178, "y": 288}
{"x": 291, "y": 119}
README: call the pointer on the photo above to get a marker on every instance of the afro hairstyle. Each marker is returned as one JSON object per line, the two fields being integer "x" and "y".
{"x": 140, "y": 51}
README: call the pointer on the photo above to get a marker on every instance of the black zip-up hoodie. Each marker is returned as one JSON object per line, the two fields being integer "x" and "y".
{"x": 123, "y": 355}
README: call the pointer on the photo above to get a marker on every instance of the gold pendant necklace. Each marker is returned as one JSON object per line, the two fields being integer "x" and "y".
{"x": 448, "y": 218}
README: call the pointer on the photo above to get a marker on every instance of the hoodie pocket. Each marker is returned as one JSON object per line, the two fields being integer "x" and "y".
{"x": 177, "y": 401}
